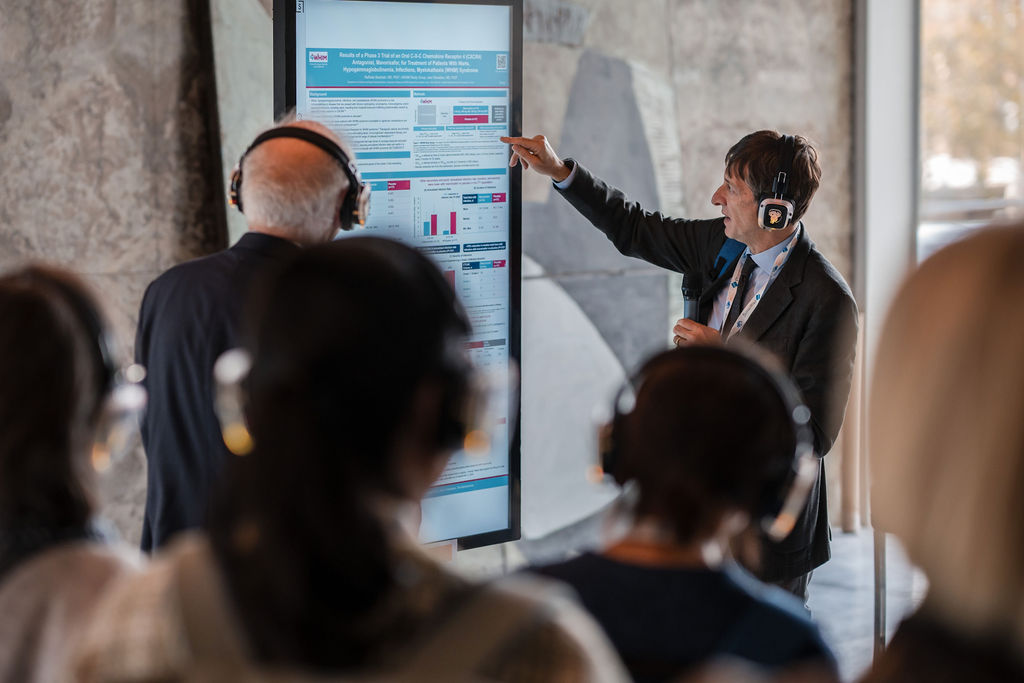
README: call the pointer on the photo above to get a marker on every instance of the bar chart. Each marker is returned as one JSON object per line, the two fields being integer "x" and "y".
{"x": 450, "y": 224}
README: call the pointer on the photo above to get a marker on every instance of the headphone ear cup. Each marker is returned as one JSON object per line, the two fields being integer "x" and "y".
{"x": 609, "y": 444}
{"x": 355, "y": 204}
{"x": 346, "y": 214}
{"x": 235, "y": 190}
{"x": 774, "y": 214}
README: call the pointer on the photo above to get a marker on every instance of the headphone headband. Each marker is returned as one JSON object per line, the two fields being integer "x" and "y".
{"x": 785, "y": 494}
{"x": 787, "y": 152}
{"x": 354, "y": 208}
{"x": 776, "y": 210}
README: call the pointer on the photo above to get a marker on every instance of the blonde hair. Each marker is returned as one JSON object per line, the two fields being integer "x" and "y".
{"x": 947, "y": 429}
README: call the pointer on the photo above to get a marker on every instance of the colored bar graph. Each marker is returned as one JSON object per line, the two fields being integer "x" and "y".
{"x": 453, "y": 224}
{"x": 433, "y": 224}
{"x": 426, "y": 228}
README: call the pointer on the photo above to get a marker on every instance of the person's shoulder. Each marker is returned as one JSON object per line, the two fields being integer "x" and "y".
{"x": 561, "y": 643}
{"x": 779, "y": 615}
{"x": 137, "y": 631}
{"x": 194, "y": 271}
{"x": 584, "y": 564}
{"x": 83, "y": 559}
{"x": 72, "y": 575}
{"x": 823, "y": 274}
{"x": 46, "y": 604}
{"x": 768, "y": 598}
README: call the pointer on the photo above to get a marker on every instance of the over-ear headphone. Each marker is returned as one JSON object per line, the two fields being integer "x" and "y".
{"x": 775, "y": 211}
{"x": 354, "y": 208}
{"x": 785, "y": 488}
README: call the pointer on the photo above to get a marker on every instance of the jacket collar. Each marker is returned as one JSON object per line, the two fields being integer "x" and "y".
{"x": 779, "y": 294}
{"x": 263, "y": 243}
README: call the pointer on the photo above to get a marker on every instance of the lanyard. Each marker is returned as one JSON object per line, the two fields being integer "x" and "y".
{"x": 734, "y": 286}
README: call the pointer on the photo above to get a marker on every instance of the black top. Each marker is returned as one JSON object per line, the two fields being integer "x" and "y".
{"x": 189, "y": 316}
{"x": 663, "y": 621}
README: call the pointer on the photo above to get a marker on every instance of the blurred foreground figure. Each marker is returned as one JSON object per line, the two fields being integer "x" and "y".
{"x": 712, "y": 441}
{"x": 57, "y": 376}
{"x": 359, "y": 391}
{"x": 947, "y": 468}
{"x": 299, "y": 188}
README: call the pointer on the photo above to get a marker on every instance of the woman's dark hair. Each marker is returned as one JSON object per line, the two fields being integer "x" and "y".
{"x": 52, "y": 381}
{"x": 755, "y": 159}
{"x": 343, "y": 337}
{"x": 710, "y": 431}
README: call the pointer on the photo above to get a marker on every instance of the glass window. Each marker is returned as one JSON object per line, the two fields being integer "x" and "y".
{"x": 972, "y": 140}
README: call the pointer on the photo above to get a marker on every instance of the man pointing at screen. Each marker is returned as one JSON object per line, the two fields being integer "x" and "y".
{"x": 763, "y": 280}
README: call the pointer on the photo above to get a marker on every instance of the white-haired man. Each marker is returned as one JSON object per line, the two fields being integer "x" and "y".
{"x": 300, "y": 187}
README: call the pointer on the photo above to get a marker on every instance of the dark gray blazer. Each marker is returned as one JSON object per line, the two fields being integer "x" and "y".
{"x": 189, "y": 316}
{"x": 807, "y": 318}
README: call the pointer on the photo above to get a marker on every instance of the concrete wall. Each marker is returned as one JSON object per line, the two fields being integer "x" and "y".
{"x": 105, "y": 157}
{"x": 109, "y": 165}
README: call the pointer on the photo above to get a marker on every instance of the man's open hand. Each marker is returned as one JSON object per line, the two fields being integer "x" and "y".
{"x": 537, "y": 153}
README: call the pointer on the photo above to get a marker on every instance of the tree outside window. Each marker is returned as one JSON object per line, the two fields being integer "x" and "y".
{"x": 972, "y": 103}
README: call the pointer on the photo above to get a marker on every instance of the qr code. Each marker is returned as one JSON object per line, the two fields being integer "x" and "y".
{"x": 502, "y": 63}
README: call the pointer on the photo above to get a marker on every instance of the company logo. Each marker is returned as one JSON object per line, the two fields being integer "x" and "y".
{"x": 774, "y": 216}
{"x": 318, "y": 57}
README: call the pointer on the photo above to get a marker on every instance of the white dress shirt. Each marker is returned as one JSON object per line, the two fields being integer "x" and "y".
{"x": 758, "y": 277}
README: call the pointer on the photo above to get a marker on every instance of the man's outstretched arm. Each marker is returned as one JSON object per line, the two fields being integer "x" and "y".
{"x": 538, "y": 154}
{"x": 677, "y": 244}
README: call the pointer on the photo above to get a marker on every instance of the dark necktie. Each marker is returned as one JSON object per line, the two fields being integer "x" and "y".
{"x": 741, "y": 294}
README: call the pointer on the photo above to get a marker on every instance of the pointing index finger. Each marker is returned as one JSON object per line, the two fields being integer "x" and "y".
{"x": 528, "y": 143}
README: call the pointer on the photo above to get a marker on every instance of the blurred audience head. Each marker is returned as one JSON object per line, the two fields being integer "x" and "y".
{"x": 54, "y": 375}
{"x": 947, "y": 429}
{"x": 356, "y": 391}
{"x": 709, "y": 435}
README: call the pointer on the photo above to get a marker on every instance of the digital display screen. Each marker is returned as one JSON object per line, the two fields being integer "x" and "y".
{"x": 422, "y": 91}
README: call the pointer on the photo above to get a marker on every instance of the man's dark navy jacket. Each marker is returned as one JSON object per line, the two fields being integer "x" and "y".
{"x": 189, "y": 316}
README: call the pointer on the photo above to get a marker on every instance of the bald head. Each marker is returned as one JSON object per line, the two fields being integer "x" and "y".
{"x": 293, "y": 189}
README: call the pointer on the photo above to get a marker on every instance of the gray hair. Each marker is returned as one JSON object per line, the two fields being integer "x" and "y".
{"x": 300, "y": 199}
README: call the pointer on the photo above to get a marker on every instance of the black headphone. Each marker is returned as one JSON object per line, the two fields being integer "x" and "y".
{"x": 784, "y": 491}
{"x": 775, "y": 211}
{"x": 356, "y": 205}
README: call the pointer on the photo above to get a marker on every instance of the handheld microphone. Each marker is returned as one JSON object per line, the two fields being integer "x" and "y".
{"x": 691, "y": 295}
